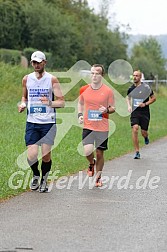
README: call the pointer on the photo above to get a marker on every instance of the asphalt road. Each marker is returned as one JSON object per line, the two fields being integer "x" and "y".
{"x": 128, "y": 214}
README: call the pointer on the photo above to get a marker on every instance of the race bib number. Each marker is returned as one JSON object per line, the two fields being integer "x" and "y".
{"x": 37, "y": 109}
{"x": 94, "y": 115}
{"x": 136, "y": 102}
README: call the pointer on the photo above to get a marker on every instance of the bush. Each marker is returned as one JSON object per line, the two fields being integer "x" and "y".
{"x": 12, "y": 57}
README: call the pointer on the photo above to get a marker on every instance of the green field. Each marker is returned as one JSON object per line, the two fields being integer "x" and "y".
{"x": 65, "y": 156}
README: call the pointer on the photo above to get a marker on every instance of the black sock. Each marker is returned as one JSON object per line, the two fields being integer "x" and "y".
{"x": 34, "y": 167}
{"x": 45, "y": 167}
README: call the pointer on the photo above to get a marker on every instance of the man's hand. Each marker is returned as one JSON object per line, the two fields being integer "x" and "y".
{"x": 142, "y": 104}
{"x": 44, "y": 100}
{"x": 21, "y": 107}
{"x": 103, "y": 109}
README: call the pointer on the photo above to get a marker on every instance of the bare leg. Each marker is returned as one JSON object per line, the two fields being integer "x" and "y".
{"x": 88, "y": 149}
{"x": 32, "y": 158}
{"x": 144, "y": 133}
{"x": 135, "y": 139}
{"x": 99, "y": 162}
{"x": 46, "y": 152}
{"x": 32, "y": 152}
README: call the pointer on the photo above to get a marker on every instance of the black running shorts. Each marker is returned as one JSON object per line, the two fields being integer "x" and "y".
{"x": 141, "y": 119}
{"x": 99, "y": 138}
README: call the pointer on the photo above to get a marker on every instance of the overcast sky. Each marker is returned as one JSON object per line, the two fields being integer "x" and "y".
{"x": 147, "y": 17}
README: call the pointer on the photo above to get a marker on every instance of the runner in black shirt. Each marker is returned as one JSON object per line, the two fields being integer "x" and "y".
{"x": 140, "y": 96}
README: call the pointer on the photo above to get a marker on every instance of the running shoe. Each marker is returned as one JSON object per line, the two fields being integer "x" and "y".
{"x": 146, "y": 140}
{"x": 137, "y": 155}
{"x": 34, "y": 183}
{"x": 91, "y": 169}
{"x": 43, "y": 186}
{"x": 98, "y": 182}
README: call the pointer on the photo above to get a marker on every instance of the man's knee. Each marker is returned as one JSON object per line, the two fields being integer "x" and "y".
{"x": 135, "y": 128}
{"x": 32, "y": 152}
{"x": 46, "y": 158}
{"x": 88, "y": 149}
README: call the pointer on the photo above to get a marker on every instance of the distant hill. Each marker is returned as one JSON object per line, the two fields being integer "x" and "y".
{"x": 162, "y": 40}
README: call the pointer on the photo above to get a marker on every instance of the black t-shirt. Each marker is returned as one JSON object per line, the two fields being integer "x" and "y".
{"x": 140, "y": 94}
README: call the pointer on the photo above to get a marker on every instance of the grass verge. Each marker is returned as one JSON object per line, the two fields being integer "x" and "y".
{"x": 65, "y": 156}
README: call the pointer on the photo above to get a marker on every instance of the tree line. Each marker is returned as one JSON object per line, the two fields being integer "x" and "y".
{"x": 70, "y": 31}
{"x": 66, "y": 28}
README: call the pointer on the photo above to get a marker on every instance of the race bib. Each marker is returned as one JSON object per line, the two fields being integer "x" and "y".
{"x": 37, "y": 109}
{"x": 94, "y": 115}
{"x": 136, "y": 102}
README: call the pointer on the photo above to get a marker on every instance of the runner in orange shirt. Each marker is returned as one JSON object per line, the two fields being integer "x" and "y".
{"x": 96, "y": 101}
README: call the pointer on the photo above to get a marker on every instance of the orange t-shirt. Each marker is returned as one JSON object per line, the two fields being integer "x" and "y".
{"x": 92, "y": 99}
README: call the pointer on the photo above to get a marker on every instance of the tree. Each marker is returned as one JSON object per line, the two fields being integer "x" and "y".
{"x": 12, "y": 24}
{"x": 147, "y": 56}
{"x": 105, "y": 8}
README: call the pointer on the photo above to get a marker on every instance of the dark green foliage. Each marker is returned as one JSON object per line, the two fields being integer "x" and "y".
{"x": 67, "y": 29}
{"x": 13, "y": 25}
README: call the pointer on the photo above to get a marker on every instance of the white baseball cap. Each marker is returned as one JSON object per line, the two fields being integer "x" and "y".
{"x": 38, "y": 56}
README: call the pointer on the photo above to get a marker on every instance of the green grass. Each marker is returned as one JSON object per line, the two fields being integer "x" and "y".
{"x": 65, "y": 156}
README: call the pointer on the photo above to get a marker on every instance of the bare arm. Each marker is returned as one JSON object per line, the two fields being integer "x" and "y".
{"x": 110, "y": 108}
{"x": 152, "y": 99}
{"x": 59, "y": 101}
{"x": 80, "y": 111}
{"x": 128, "y": 100}
{"x": 80, "y": 107}
{"x": 22, "y": 105}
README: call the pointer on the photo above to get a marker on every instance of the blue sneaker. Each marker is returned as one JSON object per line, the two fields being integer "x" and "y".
{"x": 146, "y": 140}
{"x": 137, "y": 155}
